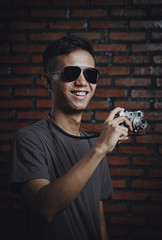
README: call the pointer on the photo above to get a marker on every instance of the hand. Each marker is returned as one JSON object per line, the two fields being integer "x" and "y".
{"x": 113, "y": 132}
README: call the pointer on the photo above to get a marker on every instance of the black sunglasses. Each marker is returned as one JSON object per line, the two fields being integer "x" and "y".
{"x": 71, "y": 73}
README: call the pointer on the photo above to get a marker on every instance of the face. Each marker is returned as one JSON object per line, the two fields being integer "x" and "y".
{"x": 73, "y": 96}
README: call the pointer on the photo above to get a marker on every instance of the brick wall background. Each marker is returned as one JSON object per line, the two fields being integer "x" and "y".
{"x": 127, "y": 38}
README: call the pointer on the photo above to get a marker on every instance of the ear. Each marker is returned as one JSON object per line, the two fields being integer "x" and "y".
{"x": 46, "y": 80}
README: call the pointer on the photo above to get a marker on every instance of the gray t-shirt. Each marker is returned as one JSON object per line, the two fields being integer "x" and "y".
{"x": 44, "y": 151}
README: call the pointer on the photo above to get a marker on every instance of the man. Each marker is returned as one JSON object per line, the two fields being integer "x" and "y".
{"x": 61, "y": 171}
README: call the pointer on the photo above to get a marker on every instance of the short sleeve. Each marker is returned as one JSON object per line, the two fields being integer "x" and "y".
{"x": 27, "y": 159}
{"x": 106, "y": 183}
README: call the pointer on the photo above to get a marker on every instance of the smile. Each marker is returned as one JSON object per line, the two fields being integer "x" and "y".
{"x": 79, "y": 93}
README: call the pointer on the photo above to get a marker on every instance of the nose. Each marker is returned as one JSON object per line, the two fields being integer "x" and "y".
{"x": 81, "y": 81}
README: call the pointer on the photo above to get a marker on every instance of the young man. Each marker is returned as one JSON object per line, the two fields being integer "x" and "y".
{"x": 62, "y": 172}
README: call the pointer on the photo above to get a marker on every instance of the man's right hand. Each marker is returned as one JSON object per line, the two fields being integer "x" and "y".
{"x": 113, "y": 132}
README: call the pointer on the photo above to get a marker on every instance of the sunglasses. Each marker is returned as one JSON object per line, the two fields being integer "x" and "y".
{"x": 71, "y": 73}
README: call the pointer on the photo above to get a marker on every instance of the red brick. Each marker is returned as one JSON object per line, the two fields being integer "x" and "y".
{"x": 101, "y": 116}
{"x": 28, "y": 48}
{"x": 148, "y": 2}
{"x": 115, "y": 160}
{"x": 31, "y": 115}
{"x": 98, "y": 104}
{"x": 156, "y": 196}
{"x": 114, "y": 70}
{"x": 30, "y": 3}
{"x": 107, "y": 3}
{"x": 148, "y": 233}
{"x": 151, "y": 93}
{"x": 31, "y": 92}
{"x": 155, "y": 173}
{"x": 49, "y": 13}
{"x": 160, "y": 149}
{"x": 28, "y": 70}
{"x": 119, "y": 208}
{"x": 119, "y": 183}
{"x": 149, "y": 161}
{"x": 132, "y": 105}
{"x": 158, "y": 127}
{"x": 13, "y": 125}
{"x": 14, "y": 59}
{"x": 67, "y": 25}
{"x": 126, "y": 172}
{"x": 148, "y": 70}
{"x": 147, "y": 47}
{"x": 128, "y": 12}
{"x": 106, "y": 24}
{"x": 12, "y": 81}
{"x": 157, "y": 59}
{"x": 156, "y": 221}
{"x": 6, "y": 115}
{"x": 14, "y": 37}
{"x": 131, "y": 59}
{"x": 133, "y": 82}
{"x": 43, "y": 103}
{"x": 11, "y": 13}
{"x": 27, "y": 25}
{"x": 110, "y": 47}
{"x": 118, "y": 232}
{"x": 69, "y": 3}
{"x": 158, "y": 105}
{"x": 37, "y": 59}
{"x": 104, "y": 82}
{"x": 89, "y": 13}
{"x": 127, "y": 220}
{"x": 156, "y": 12}
{"x": 15, "y": 103}
{"x": 5, "y": 147}
{"x": 86, "y": 116}
{"x": 102, "y": 59}
{"x": 45, "y": 36}
{"x": 4, "y": 71}
{"x": 150, "y": 139}
{"x": 4, "y": 92}
{"x": 129, "y": 196}
{"x": 153, "y": 116}
{"x": 139, "y": 24}
{"x": 135, "y": 149}
{"x": 146, "y": 209}
{"x": 5, "y": 137}
{"x": 110, "y": 93}
{"x": 127, "y": 36}
{"x": 156, "y": 35}
{"x": 146, "y": 184}
{"x": 92, "y": 36}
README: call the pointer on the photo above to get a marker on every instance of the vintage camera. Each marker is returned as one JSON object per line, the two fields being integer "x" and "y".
{"x": 136, "y": 118}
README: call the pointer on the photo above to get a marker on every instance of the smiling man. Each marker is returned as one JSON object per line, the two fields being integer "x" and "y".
{"x": 60, "y": 171}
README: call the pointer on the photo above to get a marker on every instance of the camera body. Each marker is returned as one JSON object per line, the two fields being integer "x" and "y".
{"x": 136, "y": 119}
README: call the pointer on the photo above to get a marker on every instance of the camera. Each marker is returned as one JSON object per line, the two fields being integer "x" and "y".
{"x": 136, "y": 119}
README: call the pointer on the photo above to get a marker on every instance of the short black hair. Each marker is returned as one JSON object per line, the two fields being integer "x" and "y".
{"x": 64, "y": 46}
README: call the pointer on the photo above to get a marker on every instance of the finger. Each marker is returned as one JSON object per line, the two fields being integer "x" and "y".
{"x": 113, "y": 113}
{"x": 121, "y": 140}
{"x": 125, "y": 121}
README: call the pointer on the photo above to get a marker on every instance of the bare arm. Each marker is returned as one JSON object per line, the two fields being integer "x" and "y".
{"x": 102, "y": 223}
{"x": 47, "y": 199}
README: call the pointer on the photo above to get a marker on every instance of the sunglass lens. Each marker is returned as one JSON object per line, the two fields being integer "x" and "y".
{"x": 92, "y": 75}
{"x": 71, "y": 73}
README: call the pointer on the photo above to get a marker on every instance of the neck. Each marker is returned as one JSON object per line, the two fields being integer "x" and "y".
{"x": 70, "y": 123}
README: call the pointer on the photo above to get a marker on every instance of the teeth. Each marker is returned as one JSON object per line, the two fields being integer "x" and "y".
{"x": 79, "y": 93}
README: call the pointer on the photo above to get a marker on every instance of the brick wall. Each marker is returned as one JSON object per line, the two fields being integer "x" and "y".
{"x": 127, "y": 38}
